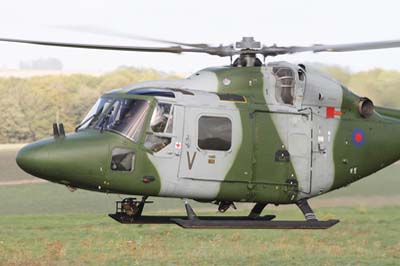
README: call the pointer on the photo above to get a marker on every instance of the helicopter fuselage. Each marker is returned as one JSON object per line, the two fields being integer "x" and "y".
{"x": 273, "y": 134}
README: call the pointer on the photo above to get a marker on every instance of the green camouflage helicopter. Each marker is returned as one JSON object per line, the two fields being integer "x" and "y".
{"x": 274, "y": 133}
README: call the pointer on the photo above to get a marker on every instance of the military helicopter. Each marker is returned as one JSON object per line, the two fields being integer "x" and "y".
{"x": 275, "y": 133}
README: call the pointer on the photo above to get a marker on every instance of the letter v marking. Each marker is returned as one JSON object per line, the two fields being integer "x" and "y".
{"x": 190, "y": 161}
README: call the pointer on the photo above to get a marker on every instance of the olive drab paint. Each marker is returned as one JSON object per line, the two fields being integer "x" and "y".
{"x": 272, "y": 134}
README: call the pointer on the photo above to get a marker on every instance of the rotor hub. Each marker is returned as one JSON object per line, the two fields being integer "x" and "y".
{"x": 247, "y": 57}
{"x": 248, "y": 43}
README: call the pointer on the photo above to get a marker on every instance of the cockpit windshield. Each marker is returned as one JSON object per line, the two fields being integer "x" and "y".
{"x": 124, "y": 116}
{"x": 95, "y": 113}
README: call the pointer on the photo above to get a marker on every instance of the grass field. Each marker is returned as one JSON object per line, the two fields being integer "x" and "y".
{"x": 364, "y": 237}
{"x": 45, "y": 224}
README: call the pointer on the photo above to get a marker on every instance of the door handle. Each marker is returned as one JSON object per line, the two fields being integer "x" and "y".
{"x": 187, "y": 141}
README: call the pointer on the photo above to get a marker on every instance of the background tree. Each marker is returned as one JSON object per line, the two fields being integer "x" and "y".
{"x": 29, "y": 106}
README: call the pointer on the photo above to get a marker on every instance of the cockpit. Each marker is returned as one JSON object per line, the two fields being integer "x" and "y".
{"x": 127, "y": 117}
{"x": 123, "y": 116}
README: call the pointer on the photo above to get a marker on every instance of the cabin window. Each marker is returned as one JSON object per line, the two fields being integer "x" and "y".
{"x": 122, "y": 159}
{"x": 284, "y": 87}
{"x": 161, "y": 127}
{"x": 215, "y": 133}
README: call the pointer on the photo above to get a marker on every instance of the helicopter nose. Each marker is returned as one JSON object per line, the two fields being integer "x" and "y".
{"x": 78, "y": 159}
{"x": 33, "y": 159}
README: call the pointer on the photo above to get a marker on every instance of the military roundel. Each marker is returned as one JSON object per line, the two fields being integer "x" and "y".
{"x": 358, "y": 137}
{"x": 226, "y": 82}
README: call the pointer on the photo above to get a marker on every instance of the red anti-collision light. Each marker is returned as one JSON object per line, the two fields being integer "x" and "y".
{"x": 148, "y": 179}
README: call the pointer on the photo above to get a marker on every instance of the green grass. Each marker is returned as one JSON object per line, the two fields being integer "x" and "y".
{"x": 364, "y": 237}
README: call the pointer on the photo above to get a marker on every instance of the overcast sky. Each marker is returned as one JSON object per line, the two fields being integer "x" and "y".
{"x": 215, "y": 22}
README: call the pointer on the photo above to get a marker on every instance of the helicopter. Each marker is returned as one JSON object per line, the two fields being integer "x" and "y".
{"x": 254, "y": 132}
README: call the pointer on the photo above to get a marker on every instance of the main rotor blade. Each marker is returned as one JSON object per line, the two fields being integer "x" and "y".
{"x": 317, "y": 48}
{"x": 220, "y": 51}
{"x": 109, "y": 32}
{"x": 348, "y": 47}
{"x": 174, "y": 49}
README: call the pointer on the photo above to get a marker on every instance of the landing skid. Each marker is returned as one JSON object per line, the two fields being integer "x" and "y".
{"x": 227, "y": 222}
{"x": 181, "y": 220}
{"x": 252, "y": 221}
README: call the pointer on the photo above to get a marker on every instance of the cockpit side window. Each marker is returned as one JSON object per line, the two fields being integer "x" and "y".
{"x": 161, "y": 127}
{"x": 285, "y": 82}
{"x": 122, "y": 159}
{"x": 161, "y": 120}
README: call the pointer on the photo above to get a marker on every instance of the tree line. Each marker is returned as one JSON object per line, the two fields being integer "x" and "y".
{"x": 29, "y": 106}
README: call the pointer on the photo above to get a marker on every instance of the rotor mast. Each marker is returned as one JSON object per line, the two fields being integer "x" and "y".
{"x": 247, "y": 58}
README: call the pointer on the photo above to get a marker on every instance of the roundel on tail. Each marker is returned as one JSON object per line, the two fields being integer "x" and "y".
{"x": 358, "y": 137}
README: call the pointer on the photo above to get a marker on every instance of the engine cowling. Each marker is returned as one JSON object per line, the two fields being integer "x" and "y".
{"x": 365, "y": 107}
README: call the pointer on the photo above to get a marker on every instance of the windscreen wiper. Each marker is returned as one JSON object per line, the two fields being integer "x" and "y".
{"x": 104, "y": 122}
{"x": 85, "y": 121}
